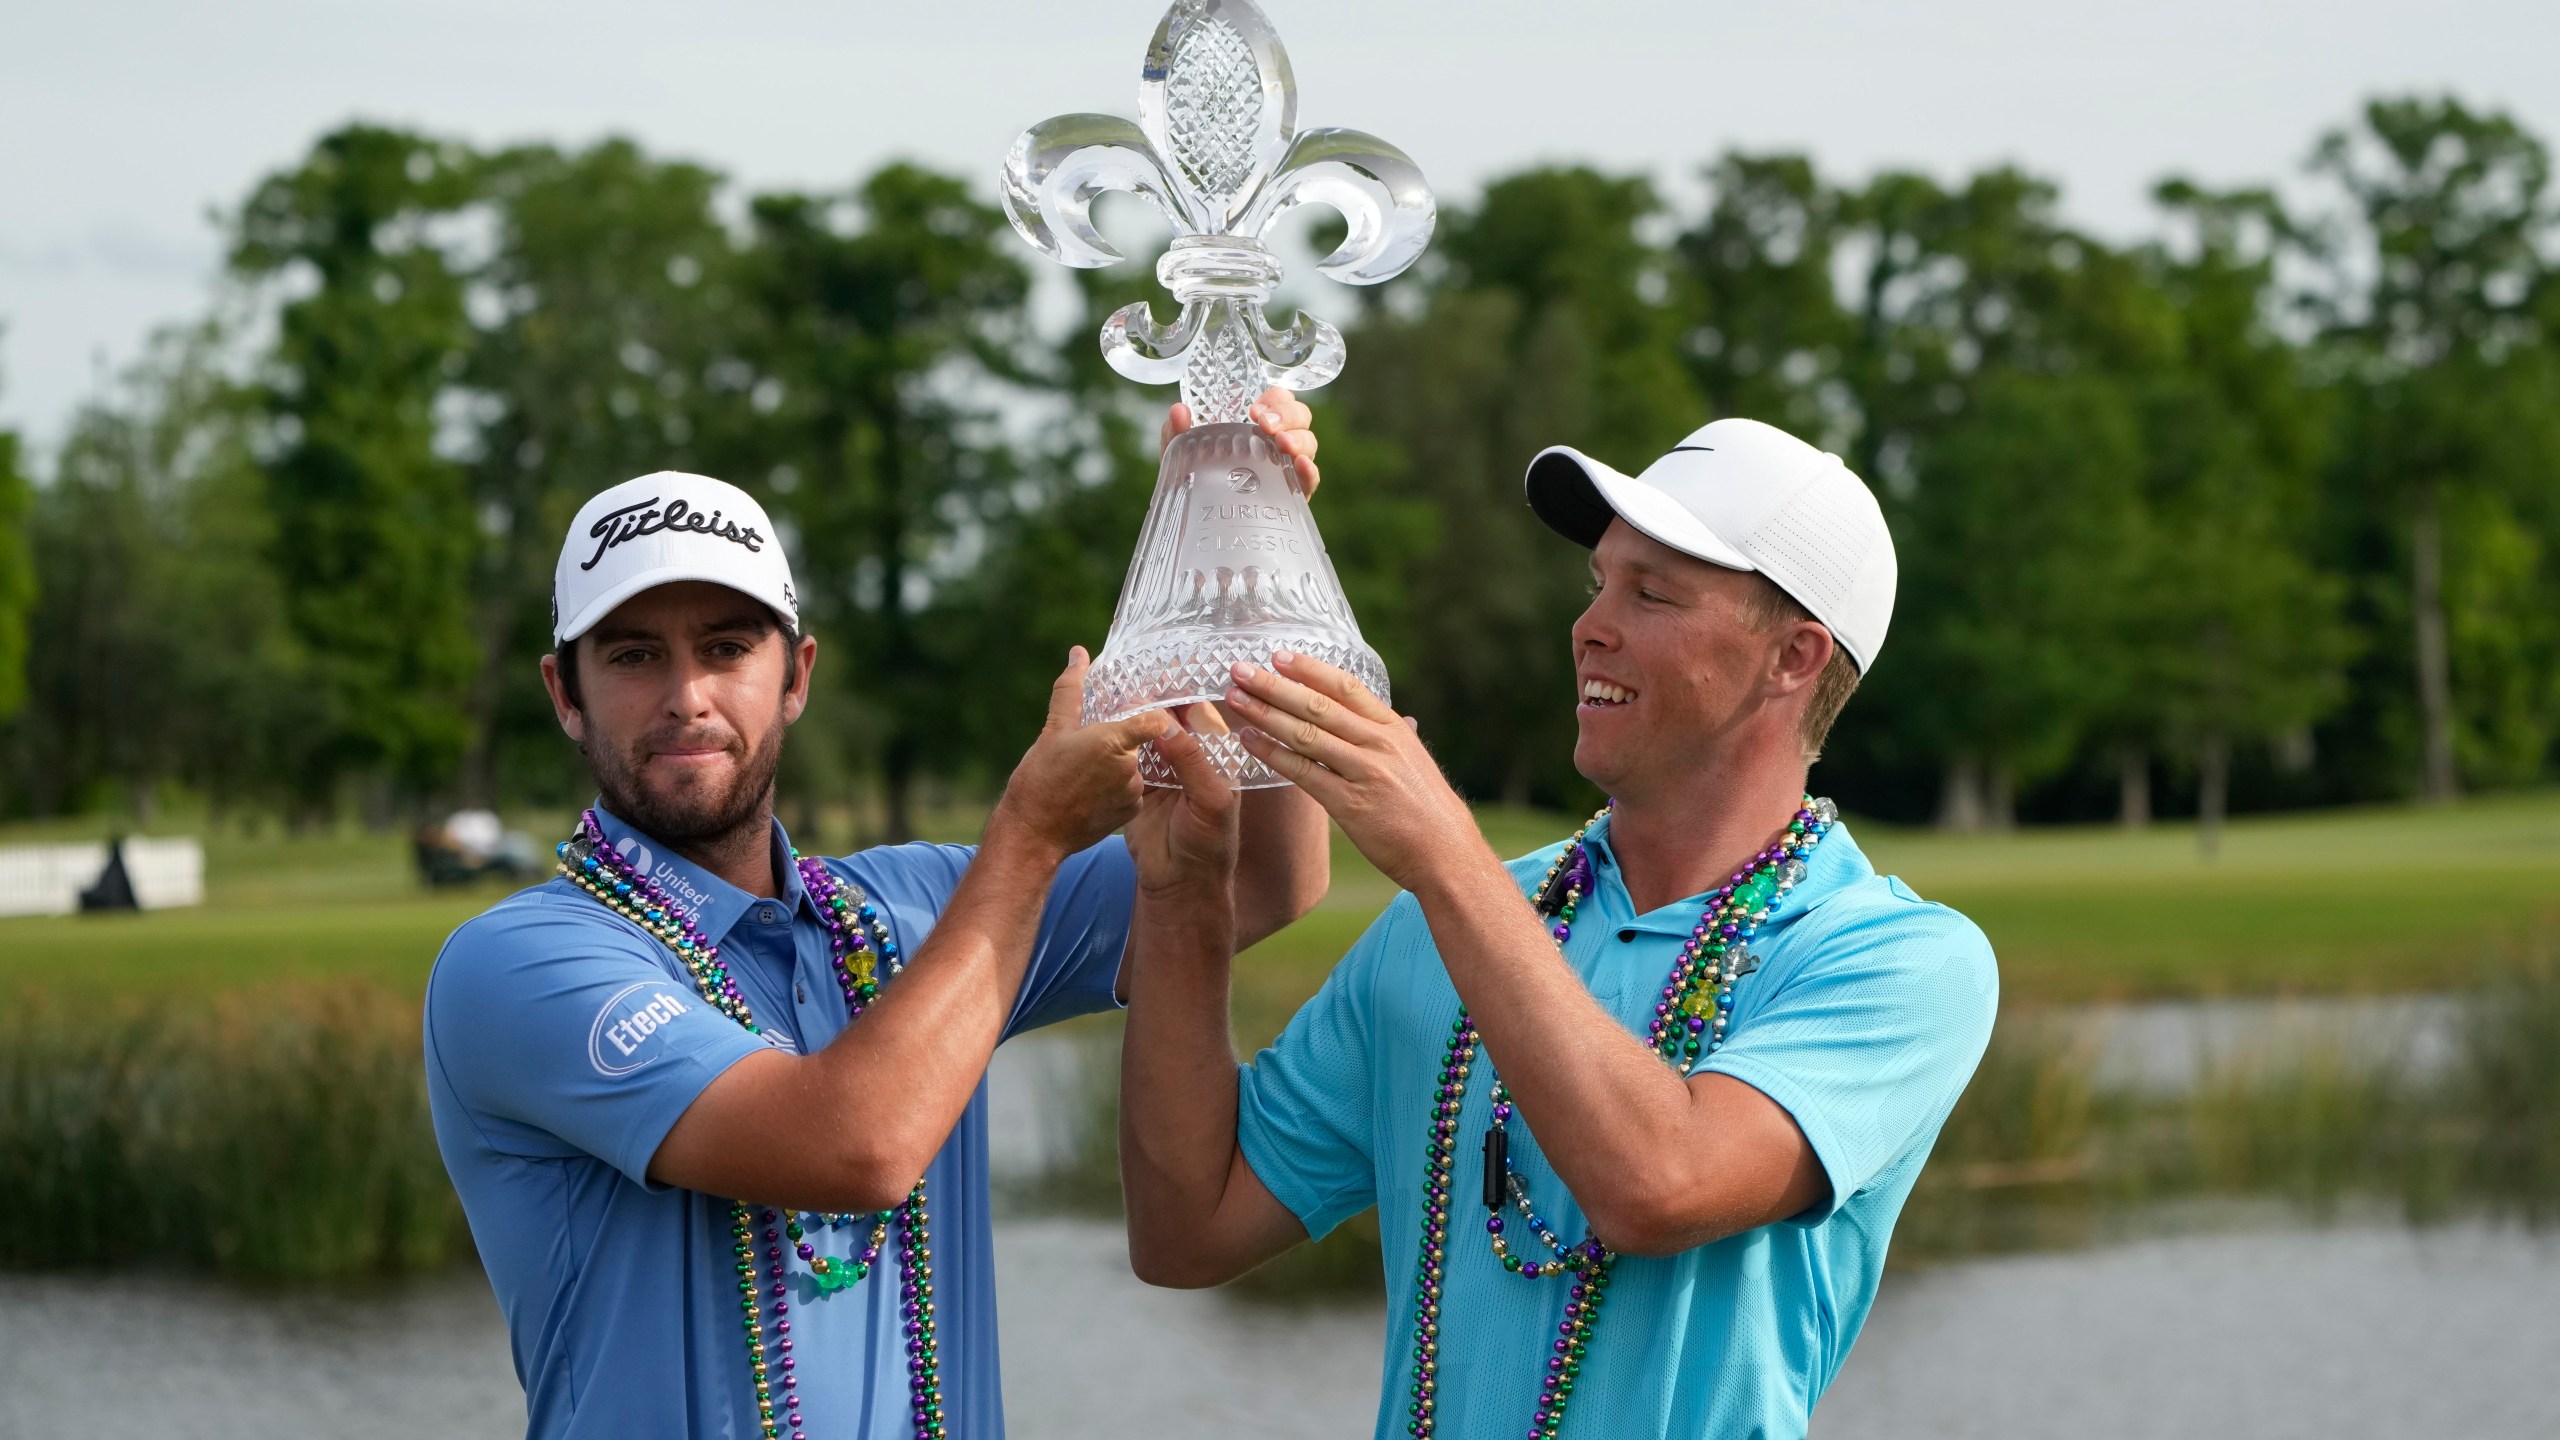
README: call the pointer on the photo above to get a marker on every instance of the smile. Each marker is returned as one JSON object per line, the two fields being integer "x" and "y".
{"x": 1600, "y": 694}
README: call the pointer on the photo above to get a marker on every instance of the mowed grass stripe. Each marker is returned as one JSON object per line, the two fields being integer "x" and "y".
{"x": 391, "y": 943}
{"x": 2364, "y": 900}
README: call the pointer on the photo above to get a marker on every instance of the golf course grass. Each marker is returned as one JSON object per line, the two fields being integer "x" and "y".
{"x": 2367, "y": 900}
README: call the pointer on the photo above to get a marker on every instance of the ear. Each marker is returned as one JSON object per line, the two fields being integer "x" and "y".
{"x": 796, "y": 699}
{"x": 572, "y": 720}
{"x": 1802, "y": 649}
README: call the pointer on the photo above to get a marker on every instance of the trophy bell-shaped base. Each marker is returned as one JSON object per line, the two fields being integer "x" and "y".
{"x": 1229, "y": 568}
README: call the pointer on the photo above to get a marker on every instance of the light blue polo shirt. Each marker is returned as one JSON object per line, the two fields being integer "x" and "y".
{"x": 562, "y": 1042}
{"x": 1865, "y": 1019}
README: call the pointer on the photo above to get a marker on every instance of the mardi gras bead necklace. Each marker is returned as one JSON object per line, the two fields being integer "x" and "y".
{"x": 1688, "y": 1023}
{"x": 860, "y": 944}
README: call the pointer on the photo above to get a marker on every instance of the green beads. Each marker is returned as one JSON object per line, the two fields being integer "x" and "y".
{"x": 1693, "y": 1022}
{"x": 668, "y": 922}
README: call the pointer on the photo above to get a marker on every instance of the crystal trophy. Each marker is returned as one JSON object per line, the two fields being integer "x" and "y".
{"x": 1229, "y": 566}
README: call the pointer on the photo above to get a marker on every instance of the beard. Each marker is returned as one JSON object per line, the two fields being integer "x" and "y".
{"x": 690, "y": 812}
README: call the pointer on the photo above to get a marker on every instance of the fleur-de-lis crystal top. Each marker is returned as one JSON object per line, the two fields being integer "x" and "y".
{"x": 1217, "y": 151}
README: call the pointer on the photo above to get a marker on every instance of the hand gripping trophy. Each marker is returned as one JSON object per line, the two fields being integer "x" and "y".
{"x": 1229, "y": 567}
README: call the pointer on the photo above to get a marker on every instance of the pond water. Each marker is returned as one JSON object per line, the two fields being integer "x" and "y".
{"x": 2164, "y": 1046}
{"x": 2352, "y": 1331}
{"x": 2342, "y": 1333}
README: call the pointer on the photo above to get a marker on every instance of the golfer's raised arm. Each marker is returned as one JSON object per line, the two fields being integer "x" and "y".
{"x": 802, "y": 1130}
{"x": 1196, "y": 1213}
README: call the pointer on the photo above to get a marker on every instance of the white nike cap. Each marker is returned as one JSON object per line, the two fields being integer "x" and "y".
{"x": 659, "y": 529}
{"x": 1745, "y": 496}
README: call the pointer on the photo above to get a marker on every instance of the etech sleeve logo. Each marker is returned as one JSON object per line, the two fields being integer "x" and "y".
{"x": 619, "y": 1042}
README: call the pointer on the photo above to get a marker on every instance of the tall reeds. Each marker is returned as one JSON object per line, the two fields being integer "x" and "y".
{"x": 2036, "y": 1150}
{"x": 284, "y": 1133}
{"x": 281, "y": 1133}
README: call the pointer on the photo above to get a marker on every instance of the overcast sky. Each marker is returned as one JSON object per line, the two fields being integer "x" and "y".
{"x": 128, "y": 121}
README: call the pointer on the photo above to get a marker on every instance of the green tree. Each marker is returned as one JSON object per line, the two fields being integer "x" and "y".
{"x": 2023, "y": 529}
{"x": 2431, "y": 316}
{"x": 2236, "y": 635}
{"x": 1549, "y": 319}
{"x": 1987, "y": 347}
{"x": 17, "y": 575}
{"x": 877, "y": 320}
{"x": 166, "y": 659}
{"x": 607, "y": 346}
{"x": 1055, "y": 543}
{"x": 1770, "y": 334}
{"x": 375, "y": 530}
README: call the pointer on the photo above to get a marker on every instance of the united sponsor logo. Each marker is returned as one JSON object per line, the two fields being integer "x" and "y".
{"x": 665, "y": 872}
{"x": 620, "y": 1040}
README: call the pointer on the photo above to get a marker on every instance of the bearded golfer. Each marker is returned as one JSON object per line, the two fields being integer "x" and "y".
{"x": 716, "y": 1111}
{"x": 1638, "y": 1110}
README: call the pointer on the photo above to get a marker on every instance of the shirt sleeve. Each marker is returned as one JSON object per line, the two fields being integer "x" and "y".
{"x": 1084, "y": 935}
{"x": 1084, "y": 927}
{"x": 553, "y": 1026}
{"x": 1304, "y": 1106}
{"x": 1869, "y": 1041}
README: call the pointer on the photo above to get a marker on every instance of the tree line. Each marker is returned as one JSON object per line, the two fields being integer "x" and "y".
{"x": 2256, "y": 511}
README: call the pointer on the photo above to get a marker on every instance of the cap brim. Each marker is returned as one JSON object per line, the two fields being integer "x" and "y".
{"x": 1578, "y": 496}
{"x": 604, "y": 601}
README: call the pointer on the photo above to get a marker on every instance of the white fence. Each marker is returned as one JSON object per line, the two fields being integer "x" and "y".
{"x": 48, "y": 879}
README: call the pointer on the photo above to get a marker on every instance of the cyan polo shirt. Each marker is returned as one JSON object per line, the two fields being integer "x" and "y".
{"x": 1865, "y": 1018}
{"x": 562, "y": 1042}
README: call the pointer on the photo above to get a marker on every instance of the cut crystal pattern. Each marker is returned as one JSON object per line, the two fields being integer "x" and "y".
{"x": 1229, "y": 569}
{"x": 1218, "y": 153}
{"x": 1230, "y": 566}
{"x": 1225, "y": 373}
{"x": 1213, "y": 108}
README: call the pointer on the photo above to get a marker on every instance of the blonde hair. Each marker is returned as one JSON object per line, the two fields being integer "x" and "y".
{"x": 1769, "y": 607}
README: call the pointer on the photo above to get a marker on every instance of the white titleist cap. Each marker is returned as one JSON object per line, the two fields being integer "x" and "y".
{"x": 662, "y": 528}
{"x": 1746, "y": 496}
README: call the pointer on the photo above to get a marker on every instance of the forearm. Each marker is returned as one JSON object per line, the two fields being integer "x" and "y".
{"x": 1284, "y": 861}
{"x": 1617, "y": 1124}
{"x": 926, "y": 1040}
{"x": 1178, "y": 1091}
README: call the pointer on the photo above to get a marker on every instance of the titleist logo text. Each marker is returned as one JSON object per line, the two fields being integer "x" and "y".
{"x": 631, "y": 522}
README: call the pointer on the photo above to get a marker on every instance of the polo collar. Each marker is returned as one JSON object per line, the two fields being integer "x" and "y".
{"x": 1837, "y": 863}
{"x": 714, "y": 904}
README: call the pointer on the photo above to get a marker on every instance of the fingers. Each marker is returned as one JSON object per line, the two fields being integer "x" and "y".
{"x": 1313, "y": 725}
{"x": 1283, "y": 406}
{"x": 1305, "y": 737}
{"x": 1201, "y": 718}
{"x": 1301, "y": 443}
{"x": 1066, "y": 694}
{"x": 1288, "y": 421}
{"x": 1323, "y": 784}
{"x": 1204, "y": 788}
{"x": 1333, "y": 682}
{"x": 1123, "y": 737}
{"x": 1176, "y": 420}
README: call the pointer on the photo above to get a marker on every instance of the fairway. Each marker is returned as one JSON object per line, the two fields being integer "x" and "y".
{"x": 2362, "y": 900}
{"x": 2368, "y": 900}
